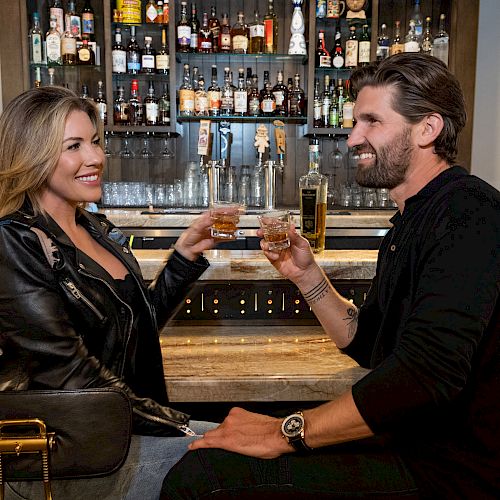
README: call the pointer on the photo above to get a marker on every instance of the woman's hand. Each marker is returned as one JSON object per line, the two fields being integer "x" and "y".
{"x": 296, "y": 262}
{"x": 196, "y": 238}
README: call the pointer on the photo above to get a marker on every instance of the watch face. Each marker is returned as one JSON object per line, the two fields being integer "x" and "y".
{"x": 292, "y": 426}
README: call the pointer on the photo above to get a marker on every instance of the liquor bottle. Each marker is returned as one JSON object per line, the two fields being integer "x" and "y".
{"x": 74, "y": 20}
{"x": 297, "y": 99}
{"x": 166, "y": 12}
{"x": 317, "y": 122}
{"x": 151, "y": 105}
{"x": 205, "y": 38}
{"x": 162, "y": 56}
{"x": 194, "y": 22}
{"x": 226, "y": 43}
{"x": 164, "y": 106}
{"x": 338, "y": 52}
{"x": 270, "y": 30}
{"x": 214, "y": 26}
{"x": 121, "y": 108}
{"x": 186, "y": 94}
{"x": 183, "y": 30}
{"x": 326, "y": 102}
{"x": 364, "y": 47}
{"x": 159, "y": 12}
{"x": 268, "y": 100}
{"x": 411, "y": 40}
{"x": 136, "y": 111}
{"x": 118, "y": 54}
{"x": 351, "y": 49}
{"x": 340, "y": 101}
{"x": 348, "y": 108}
{"x": 426, "y": 41}
{"x": 241, "y": 95}
{"x": 151, "y": 11}
{"x": 100, "y": 100}
{"x": 256, "y": 33}
{"x": 84, "y": 94}
{"x": 56, "y": 10}
{"x": 239, "y": 35}
{"x": 85, "y": 54}
{"x": 312, "y": 194}
{"x": 52, "y": 77}
{"x": 88, "y": 25}
{"x": 201, "y": 98}
{"x": 37, "y": 82}
{"x": 417, "y": 17}
{"x": 227, "y": 95}
{"x": 441, "y": 42}
{"x": 333, "y": 119}
{"x": 68, "y": 45}
{"x": 133, "y": 54}
{"x": 53, "y": 44}
{"x": 249, "y": 80}
{"x": 397, "y": 46}
{"x": 265, "y": 80}
{"x": 148, "y": 57}
{"x": 323, "y": 58}
{"x": 214, "y": 96}
{"x": 280, "y": 92}
{"x": 36, "y": 41}
{"x": 194, "y": 78}
{"x": 254, "y": 97}
{"x": 383, "y": 44}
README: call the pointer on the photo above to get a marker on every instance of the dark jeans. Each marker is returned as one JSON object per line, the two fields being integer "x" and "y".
{"x": 363, "y": 469}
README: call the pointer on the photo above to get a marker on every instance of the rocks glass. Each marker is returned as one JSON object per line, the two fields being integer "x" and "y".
{"x": 225, "y": 217}
{"x": 275, "y": 226}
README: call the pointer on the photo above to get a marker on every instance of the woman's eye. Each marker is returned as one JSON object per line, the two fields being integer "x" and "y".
{"x": 96, "y": 141}
{"x": 76, "y": 145}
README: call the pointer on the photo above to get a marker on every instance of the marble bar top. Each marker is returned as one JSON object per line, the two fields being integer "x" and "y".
{"x": 130, "y": 217}
{"x": 246, "y": 363}
{"x": 253, "y": 265}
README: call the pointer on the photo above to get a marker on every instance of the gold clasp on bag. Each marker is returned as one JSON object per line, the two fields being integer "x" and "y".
{"x": 33, "y": 439}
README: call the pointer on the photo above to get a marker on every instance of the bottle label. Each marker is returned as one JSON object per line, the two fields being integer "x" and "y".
{"x": 269, "y": 33}
{"x": 338, "y": 62}
{"x": 53, "y": 47}
{"x": 148, "y": 61}
{"x": 186, "y": 101}
{"x": 119, "y": 61}
{"x": 279, "y": 95}
{"x": 240, "y": 42}
{"x": 206, "y": 45}
{"x": 102, "y": 109}
{"x": 36, "y": 48}
{"x": 184, "y": 36}
{"x": 214, "y": 100}
{"x": 348, "y": 110}
{"x": 411, "y": 47}
{"x": 162, "y": 61}
{"x": 84, "y": 54}
{"x": 152, "y": 112}
{"x": 351, "y": 53}
{"x": 256, "y": 30}
{"x": 240, "y": 101}
{"x": 268, "y": 105}
{"x": 308, "y": 201}
{"x": 333, "y": 119}
{"x": 325, "y": 62}
{"x": 201, "y": 104}
{"x": 364, "y": 52}
{"x": 151, "y": 14}
{"x": 397, "y": 48}
{"x": 254, "y": 106}
{"x": 225, "y": 41}
{"x": 68, "y": 46}
{"x": 88, "y": 24}
{"x": 193, "y": 41}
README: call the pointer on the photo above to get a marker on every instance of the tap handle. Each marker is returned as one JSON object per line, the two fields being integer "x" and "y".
{"x": 279, "y": 136}
{"x": 261, "y": 140}
{"x": 204, "y": 138}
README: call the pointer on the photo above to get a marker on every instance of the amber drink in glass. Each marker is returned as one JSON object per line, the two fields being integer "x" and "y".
{"x": 276, "y": 226}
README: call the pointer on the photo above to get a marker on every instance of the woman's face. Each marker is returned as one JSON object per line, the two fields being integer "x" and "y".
{"x": 77, "y": 177}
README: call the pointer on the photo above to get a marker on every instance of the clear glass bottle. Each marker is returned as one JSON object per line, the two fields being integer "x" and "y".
{"x": 416, "y": 15}
{"x": 240, "y": 95}
{"x": 256, "y": 34}
{"x": 383, "y": 43}
{"x": 136, "y": 110}
{"x": 397, "y": 46}
{"x": 151, "y": 106}
{"x": 226, "y": 43}
{"x": 270, "y": 30}
{"x": 53, "y": 44}
{"x": 164, "y": 106}
{"x": 121, "y": 108}
{"x": 313, "y": 188}
{"x": 214, "y": 26}
{"x": 195, "y": 29}
{"x": 317, "y": 121}
{"x": 186, "y": 94}
{"x": 84, "y": 94}
{"x": 133, "y": 54}
{"x": 214, "y": 97}
{"x": 73, "y": 20}
{"x": 227, "y": 95}
{"x": 440, "y": 46}
{"x": 326, "y": 102}
{"x": 36, "y": 41}
{"x": 411, "y": 40}
{"x": 323, "y": 58}
{"x": 163, "y": 56}
{"x": 118, "y": 54}
{"x": 201, "y": 98}
{"x": 101, "y": 103}
{"x": 239, "y": 35}
{"x": 340, "y": 101}
{"x": 297, "y": 99}
{"x": 347, "y": 108}
{"x": 364, "y": 47}
{"x": 183, "y": 29}
{"x": 426, "y": 42}
{"x": 205, "y": 38}
{"x": 254, "y": 97}
{"x": 280, "y": 92}
{"x": 148, "y": 57}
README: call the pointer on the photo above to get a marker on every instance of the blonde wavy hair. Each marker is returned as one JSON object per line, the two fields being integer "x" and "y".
{"x": 31, "y": 136}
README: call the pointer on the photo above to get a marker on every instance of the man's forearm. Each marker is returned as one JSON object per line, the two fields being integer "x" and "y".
{"x": 337, "y": 315}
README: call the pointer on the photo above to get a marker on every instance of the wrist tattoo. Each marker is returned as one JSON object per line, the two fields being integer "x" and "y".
{"x": 352, "y": 321}
{"x": 318, "y": 292}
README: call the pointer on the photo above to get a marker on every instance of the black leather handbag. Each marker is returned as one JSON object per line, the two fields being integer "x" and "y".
{"x": 63, "y": 434}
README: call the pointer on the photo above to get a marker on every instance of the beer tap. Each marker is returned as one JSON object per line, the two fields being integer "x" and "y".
{"x": 272, "y": 166}
{"x": 262, "y": 144}
{"x": 204, "y": 143}
{"x": 214, "y": 166}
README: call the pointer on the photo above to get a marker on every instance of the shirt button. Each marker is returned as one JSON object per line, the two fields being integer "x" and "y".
{"x": 393, "y": 248}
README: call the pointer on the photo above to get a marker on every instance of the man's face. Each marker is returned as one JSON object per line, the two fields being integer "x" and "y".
{"x": 382, "y": 138}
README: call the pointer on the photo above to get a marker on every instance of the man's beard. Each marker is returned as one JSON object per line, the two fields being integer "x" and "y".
{"x": 391, "y": 164}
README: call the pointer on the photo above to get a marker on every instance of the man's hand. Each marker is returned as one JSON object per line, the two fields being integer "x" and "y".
{"x": 196, "y": 238}
{"x": 247, "y": 433}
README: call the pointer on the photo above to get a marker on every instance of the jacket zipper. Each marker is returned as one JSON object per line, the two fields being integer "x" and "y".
{"x": 165, "y": 421}
{"x": 79, "y": 296}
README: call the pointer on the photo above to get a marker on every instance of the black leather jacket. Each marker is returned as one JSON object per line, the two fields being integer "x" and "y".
{"x": 64, "y": 327}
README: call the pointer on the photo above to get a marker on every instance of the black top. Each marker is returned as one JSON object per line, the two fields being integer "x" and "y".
{"x": 429, "y": 329}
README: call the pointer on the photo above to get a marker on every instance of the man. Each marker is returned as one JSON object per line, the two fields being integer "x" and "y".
{"x": 423, "y": 423}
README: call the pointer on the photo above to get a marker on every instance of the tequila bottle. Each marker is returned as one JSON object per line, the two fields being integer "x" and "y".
{"x": 441, "y": 42}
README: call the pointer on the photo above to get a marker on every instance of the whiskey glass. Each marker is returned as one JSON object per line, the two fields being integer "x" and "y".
{"x": 276, "y": 227}
{"x": 225, "y": 217}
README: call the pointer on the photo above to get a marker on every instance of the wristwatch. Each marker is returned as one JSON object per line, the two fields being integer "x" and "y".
{"x": 292, "y": 429}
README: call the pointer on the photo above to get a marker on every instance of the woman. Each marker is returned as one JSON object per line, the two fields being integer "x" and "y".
{"x": 82, "y": 316}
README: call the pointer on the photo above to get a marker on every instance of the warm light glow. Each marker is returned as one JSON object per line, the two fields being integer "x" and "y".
{"x": 216, "y": 311}
{"x": 216, "y": 301}
{"x": 242, "y": 301}
{"x": 297, "y": 311}
{"x": 269, "y": 311}
{"x": 270, "y": 301}
{"x": 188, "y": 301}
{"x": 242, "y": 311}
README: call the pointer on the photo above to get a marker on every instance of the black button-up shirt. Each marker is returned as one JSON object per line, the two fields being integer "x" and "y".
{"x": 430, "y": 330}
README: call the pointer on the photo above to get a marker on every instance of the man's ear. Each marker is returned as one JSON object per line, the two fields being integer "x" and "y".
{"x": 430, "y": 129}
